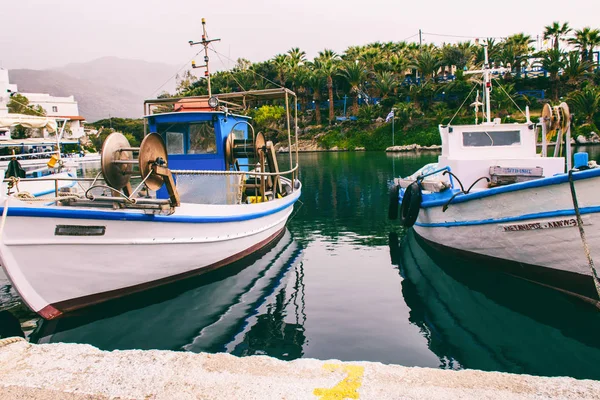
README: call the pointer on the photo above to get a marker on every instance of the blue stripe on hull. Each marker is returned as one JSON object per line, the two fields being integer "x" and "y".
{"x": 546, "y": 214}
{"x": 72, "y": 213}
{"x": 439, "y": 199}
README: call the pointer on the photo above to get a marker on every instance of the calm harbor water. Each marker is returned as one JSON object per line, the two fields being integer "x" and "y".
{"x": 344, "y": 282}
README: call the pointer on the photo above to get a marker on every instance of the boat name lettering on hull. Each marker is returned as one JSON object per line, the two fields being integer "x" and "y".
{"x": 79, "y": 230}
{"x": 561, "y": 223}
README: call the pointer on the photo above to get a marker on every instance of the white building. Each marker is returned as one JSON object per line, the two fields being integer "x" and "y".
{"x": 6, "y": 89}
{"x": 58, "y": 107}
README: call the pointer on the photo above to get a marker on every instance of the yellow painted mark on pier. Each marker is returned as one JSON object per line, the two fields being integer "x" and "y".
{"x": 347, "y": 388}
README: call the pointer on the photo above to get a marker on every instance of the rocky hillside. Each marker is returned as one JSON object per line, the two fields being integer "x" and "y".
{"x": 105, "y": 87}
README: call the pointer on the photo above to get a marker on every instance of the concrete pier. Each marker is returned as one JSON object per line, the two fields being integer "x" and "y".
{"x": 74, "y": 371}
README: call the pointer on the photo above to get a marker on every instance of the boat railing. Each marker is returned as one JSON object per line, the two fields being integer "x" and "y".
{"x": 260, "y": 192}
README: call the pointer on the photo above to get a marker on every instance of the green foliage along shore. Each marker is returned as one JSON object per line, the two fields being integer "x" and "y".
{"x": 426, "y": 86}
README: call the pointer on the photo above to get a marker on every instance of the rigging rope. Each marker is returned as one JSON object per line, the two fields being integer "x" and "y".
{"x": 463, "y": 103}
{"x": 511, "y": 99}
{"x": 586, "y": 248}
{"x": 250, "y": 69}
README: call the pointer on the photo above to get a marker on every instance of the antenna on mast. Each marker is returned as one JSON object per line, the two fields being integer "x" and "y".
{"x": 204, "y": 42}
{"x": 487, "y": 72}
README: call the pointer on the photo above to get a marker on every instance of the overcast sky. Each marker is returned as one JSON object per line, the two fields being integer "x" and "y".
{"x": 46, "y": 33}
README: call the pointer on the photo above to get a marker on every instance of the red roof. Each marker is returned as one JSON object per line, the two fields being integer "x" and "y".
{"x": 192, "y": 105}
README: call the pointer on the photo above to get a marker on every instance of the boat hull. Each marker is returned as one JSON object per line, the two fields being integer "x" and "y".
{"x": 531, "y": 225}
{"x": 108, "y": 254}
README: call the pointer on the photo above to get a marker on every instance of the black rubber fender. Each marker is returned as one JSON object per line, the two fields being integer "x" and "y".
{"x": 411, "y": 204}
{"x": 394, "y": 202}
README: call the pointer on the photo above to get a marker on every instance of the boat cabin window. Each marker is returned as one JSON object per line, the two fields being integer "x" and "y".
{"x": 174, "y": 142}
{"x": 491, "y": 138}
{"x": 202, "y": 138}
{"x": 189, "y": 138}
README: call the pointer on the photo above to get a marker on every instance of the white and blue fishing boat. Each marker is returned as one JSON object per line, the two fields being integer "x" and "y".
{"x": 492, "y": 196}
{"x": 202, "y": 191}
{"x": 209, "y": 192}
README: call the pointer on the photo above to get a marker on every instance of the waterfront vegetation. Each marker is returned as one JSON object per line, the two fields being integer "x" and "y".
{"x": 424, "y": 84}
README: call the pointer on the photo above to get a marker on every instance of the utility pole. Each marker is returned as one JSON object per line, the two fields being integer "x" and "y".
{"x": 420, "y": 38}
{"x": 204, "y": 42}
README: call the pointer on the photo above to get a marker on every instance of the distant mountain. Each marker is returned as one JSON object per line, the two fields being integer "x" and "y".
{"x": 103, "y": 87}
{"x": 136, "y": 76}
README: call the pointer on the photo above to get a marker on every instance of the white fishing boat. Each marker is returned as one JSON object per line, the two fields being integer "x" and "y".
{"x": 37, "y": 164}
{"x": 491, "y": 195}
{"x": 36, "y": 153}
{"x": 209, "y": 192}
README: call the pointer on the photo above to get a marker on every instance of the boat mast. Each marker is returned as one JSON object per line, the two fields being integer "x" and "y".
{"x": 487, "y": 80}
{"x": 487, "y": 83}
{"x": 204, "y": 42}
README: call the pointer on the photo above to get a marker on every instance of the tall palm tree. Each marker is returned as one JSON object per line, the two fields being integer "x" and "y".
{"x": 295, "y": 60}
{"x": 575, "y": 70}
{"x": 280, "y": 62}
{"x": 297, "y": 57}
{"x": 354, "y": 73}
{"x": 553, "y": 61}
{"x": 520, "y": 46}
{"x": 556, "y": 32}
{"x": 495, "y": 50}
{"x": 585, "y": 41}
{"x": 315, "y": 80}
{"x": 328, "y": 66}
{"x": 427, "y": 63}
{"x": 353, "y": 53}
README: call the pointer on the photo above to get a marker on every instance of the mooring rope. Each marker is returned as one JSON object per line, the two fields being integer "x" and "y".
{"x": 26, "y": 196}
{"x": 586, "y": 248}
{"x": 11, "y": 340}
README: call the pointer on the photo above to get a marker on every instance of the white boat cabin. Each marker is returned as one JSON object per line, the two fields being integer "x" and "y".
{"x": 472, "y": 150}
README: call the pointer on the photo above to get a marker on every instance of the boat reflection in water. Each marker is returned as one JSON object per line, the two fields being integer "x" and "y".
{"x": 255, "y": 306}
{"x": 481, "y": 319}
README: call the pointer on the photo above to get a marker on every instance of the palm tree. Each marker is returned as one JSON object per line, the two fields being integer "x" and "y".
{"x": 585, "y": 41}
{"x": 553, "y": 61}
{"x": 519, "y": 44}
{"x": 494, "y": 52}
{"x": 354, "y": 73}
{"x": 575, "y": 70}
{"x": 427, "y": 63}
{"x": 585, "y": 102}
{"x": 556, "y": 32}
{"x": 315, "y": 80}
{"x": 302, "y": 84}
{"x": 280, "y": 62}
{"x": 385, "y": 82}
{"x": 328, "y": 65}
{"x": 295, "y": 60}
{"x": 398, "y": 66}
{"x": 297, "y": 57}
